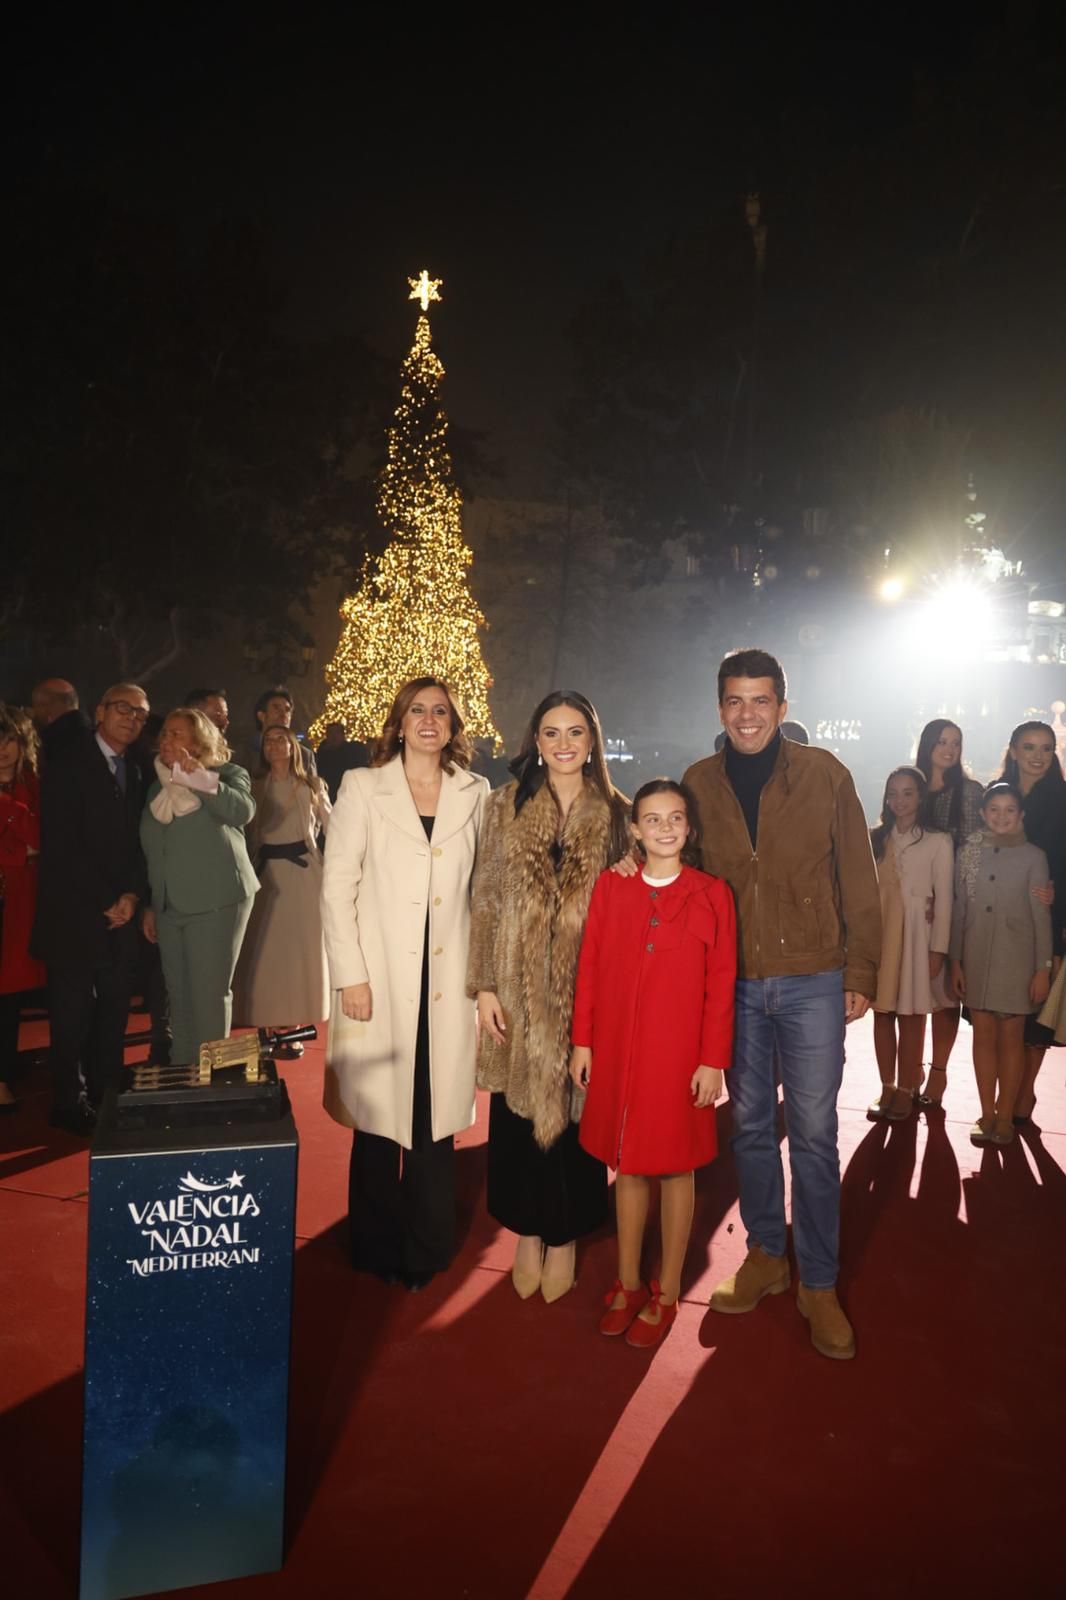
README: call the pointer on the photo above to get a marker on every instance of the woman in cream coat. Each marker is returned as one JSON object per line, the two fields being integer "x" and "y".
{"x": 402, "y": 1040}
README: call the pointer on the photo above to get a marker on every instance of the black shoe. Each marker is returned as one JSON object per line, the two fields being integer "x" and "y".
{"x": 79, "y": 1119}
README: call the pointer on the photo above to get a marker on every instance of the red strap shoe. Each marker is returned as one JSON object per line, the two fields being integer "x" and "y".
{"x": 644, "y": 1335}
{"x": 617, "y": 1321}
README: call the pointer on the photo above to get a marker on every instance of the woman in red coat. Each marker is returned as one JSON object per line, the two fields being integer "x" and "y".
{"x": 652, "y": 1031}
{"x": 20, "y": 842}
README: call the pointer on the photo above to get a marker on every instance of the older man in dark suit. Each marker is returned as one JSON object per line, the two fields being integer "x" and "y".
{"x": 92, "y": 879}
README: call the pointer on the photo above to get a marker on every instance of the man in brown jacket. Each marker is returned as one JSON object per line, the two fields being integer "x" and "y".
{"x": 783, "y": 825}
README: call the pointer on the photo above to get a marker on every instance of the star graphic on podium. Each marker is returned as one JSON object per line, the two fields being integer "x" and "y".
{"x": 236, "y": 1180}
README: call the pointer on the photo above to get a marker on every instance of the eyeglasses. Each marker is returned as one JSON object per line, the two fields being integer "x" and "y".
{"x": 124, "y": 709}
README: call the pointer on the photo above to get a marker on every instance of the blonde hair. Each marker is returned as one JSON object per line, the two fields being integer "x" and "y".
{"x": 15, "y": 723}
{"x": 207, "y": 743}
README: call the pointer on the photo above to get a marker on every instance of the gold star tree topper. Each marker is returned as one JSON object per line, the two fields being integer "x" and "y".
{"x": 425, "y": 289}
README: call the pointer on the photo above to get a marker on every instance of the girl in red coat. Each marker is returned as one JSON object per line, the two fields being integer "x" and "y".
{"x": 20, "y": 841}
{"x": 652, "y": 1031}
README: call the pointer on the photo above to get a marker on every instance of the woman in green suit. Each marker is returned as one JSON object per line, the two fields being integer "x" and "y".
{"x": 202, "y": 883}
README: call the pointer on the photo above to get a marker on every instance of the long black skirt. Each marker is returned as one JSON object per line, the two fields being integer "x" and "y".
{"x": 555, "y": 1195}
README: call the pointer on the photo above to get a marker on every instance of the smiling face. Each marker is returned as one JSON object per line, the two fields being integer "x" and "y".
{"x": 661, "y": 827}
{"x": 947, "y": 752}
{"x": 564, "y": 740}
{"x": 9, "y": 756}
{"x": 1033, "y": 751}
{"x": 121, "y": 717}
{"x": 751, "y": 713}
{"x": 176, "y": 739}
{"x": 427, "y": 722}
{"x": 903, "y": 797}
{"x": 1002, "y": 814}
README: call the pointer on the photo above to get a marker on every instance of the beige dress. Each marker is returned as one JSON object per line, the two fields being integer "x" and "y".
{"x": 281, "y": 976}
{"x": 915, "y": 872}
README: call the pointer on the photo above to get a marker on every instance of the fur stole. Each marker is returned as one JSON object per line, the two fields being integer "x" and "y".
{"x": 528, "y": 923}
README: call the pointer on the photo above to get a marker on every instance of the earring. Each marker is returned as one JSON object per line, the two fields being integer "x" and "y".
{"x": 401, "y": 738}
{"x": 540, "y": 759}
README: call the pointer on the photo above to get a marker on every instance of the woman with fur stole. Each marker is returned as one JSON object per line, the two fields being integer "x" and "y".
{"x": 546, "y": 838}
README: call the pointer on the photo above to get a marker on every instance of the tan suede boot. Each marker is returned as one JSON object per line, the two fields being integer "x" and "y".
{"x": 831, "y": 1332}
{"x": 760, "y": 1274}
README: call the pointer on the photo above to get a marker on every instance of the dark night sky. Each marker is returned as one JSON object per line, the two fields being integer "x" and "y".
{"x": 523, "y": 165}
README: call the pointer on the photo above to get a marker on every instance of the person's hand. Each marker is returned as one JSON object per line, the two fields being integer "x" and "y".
{"x": 936, "y": 963}
{"x": 855, "y": 1005}
{"x": 189, "y": 763}
{"x": 1038, "y": 989}
{"x": 148, "y": 927}
{"x": 1045, "y": 893}
{"x": 706, "y": 1086}
{"x": 958, "y": 981}
{"x": 628, "y": 867}
{"x": 581, "y": 1065}
{"x": 490, "y": 1016}
{"x": 357, "y": 1002}
{"x": 930, "y": 906}
{"x": 120, "y": 913}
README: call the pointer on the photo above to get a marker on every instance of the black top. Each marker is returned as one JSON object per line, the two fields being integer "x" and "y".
{"x": 1044, "y": 821}
{"x": 749, "y": 775}
{"x": 427, "y": 823}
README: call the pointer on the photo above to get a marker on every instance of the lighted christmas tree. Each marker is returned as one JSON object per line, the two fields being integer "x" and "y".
{"x": 413, "y": 615}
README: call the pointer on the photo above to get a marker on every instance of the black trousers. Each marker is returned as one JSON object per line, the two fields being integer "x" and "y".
{"x": 401, "y": 1203}
{"x": 88, "y": 1007}
{"x": 10, "y": 1006}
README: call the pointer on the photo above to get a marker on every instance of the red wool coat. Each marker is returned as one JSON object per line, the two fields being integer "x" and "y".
{"x": 654, "y": 1001}
{"x": 20, "y": 839}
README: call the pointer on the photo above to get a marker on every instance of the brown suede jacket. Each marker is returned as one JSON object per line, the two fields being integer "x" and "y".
{"x": 807, "y": 900}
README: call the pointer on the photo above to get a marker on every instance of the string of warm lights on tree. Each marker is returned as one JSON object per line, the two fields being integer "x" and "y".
{"x": 413, "y": 614}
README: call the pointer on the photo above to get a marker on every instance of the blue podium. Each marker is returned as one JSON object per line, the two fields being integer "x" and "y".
{"x": 188, "y": 1317}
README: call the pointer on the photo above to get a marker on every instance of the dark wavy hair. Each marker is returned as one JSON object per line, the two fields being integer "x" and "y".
{"x": 456, "y": 753}
{"x": 1052, "y": 777}
{"x": 953, "y": 776}
{"x": 532, "y": 776}
{"x": 692, "y": 850}
{"x": 753, "y": 664}
{"x": 879, "y": 835}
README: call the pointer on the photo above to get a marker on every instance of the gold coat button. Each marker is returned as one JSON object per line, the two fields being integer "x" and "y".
{"x": 439, "y": 951}
{"x": 436, "y": 900}
{"x": 436, "y": 850}
{"x": 436, "y": 997}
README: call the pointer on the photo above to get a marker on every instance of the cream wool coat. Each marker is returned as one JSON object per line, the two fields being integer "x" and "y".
{"x": 915, "y": 874}
{"x": 381, "y": 875}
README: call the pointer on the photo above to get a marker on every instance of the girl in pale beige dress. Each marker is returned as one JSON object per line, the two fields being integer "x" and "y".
{"x": 281, "y": 978}
{"x": 914, "y": 871}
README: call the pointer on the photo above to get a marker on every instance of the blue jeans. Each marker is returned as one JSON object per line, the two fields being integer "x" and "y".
{"x": 796, "y": 1024}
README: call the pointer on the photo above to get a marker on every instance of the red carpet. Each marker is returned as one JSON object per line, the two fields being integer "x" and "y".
{"x": 461, "y": 1443}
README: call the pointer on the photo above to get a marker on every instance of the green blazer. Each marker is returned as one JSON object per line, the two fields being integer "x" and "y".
{"x": 200, "y": 862}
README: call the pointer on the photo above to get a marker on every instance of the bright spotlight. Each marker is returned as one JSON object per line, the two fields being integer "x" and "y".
{"x": 891, "y": 589}
{"x": 958, "y": 620}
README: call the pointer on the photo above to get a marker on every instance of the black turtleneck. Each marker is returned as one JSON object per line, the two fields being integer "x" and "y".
{"x": 748, "y": 775}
